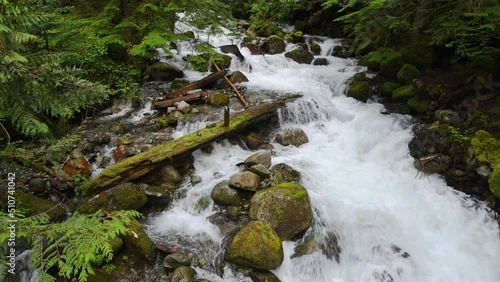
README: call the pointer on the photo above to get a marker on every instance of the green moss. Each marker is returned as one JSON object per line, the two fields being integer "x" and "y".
{"x": 161, "y": 122}
{"x": 298, "y": 36}
{"x": 359, "y": 90}
{"x": 315, "y": 48}
{"x": 300, "y": 56}
{"x": 487, "y": 149}
{"x": 407, "y": 73}
{"x": 138, "y": 242}
{"x": 374, "y": 60}
{"x": 389, "y": 87}
{"x": 126, "y": 196}
{"x": 418, "y": 104}
{"x": 34, "y": 205}
{"x": 218, "y": 99}
{"x": 403, "y": 93}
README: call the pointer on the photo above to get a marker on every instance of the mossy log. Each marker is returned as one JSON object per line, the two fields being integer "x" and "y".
{"x": 186, "y": 98}
{"x": 141, "y": 164}
{"x": 197, "y": 84}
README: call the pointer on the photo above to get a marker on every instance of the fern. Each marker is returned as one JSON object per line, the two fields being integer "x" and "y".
{"x": 74, "y": 246}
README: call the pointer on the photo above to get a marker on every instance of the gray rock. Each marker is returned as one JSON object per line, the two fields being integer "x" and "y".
{"x": 225, "y": 195}
{"x": 246, "y": 180}
{"x": 320, "y": 62}
{"x": 183, "y": 274}
{"x": 260, "y": 170}
{"x": 263, "y": 158}
{"x": 183, "y": 107}
{"x": 433, "y": 163}
{"x": 172, "y": 261}
{"x": 170, "y": 174}
{"x": 292, "y": 136}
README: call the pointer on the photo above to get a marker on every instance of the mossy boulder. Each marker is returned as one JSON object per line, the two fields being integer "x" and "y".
{"x": 263, "y": 158}
{"x": 398, "y": 108}
{"x": 138, "y": 242}
{"x": 172, "y": 261}
{"x": 315, "y": 48}
{"x": 321, "y": 62}
{"x": 218, "y": 99}
{"x": 292, "y": 136}
{"x": 487, "y": 149}
{"x": 407, "y": 73}
{"x": 34, "y": 205}
{"x": 163, "y": 72}
{"x": 300, "y": 56}
{"x": 274, "y": 45}
{"x": 169, "y": 174}
{"x": 237, "y": 77}
{"x": 256, "y": 245}
{"x": 389, "y": 87}
{"x": 359, "y": 90}
{"x": 284, "y": 173}
{"x": 374, "y": 60}
{"x": 403, "y": 93}
{"x": 298, "y": 36}
{"x": 226, "y": 195}
{"x": 126, "y": 196}
{"x": 183, "y": 274}
{"x": 286, "y": 207}
{"x": 245, "y": 180}
{"x": 419, "y": 104}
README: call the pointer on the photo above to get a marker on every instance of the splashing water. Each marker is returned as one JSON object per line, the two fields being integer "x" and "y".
{"x": 392, "y": 223}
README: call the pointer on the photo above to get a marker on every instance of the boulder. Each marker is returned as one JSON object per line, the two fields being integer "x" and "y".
{"x": 33, "y": 205}
{"x": 174, "y": 117}
{"x": 156, "y": 195}
{"x": 286, "y": 207}
{"x": 138, "y": 242}
{"x": 433, "y": 163}
{"x": 312, "y": 243}
{"x": 263, "y": 158}
{"x": 320, "y": 62}
{"x": 487, "y": 149}
{"x": 300, "y": 56}
{"x": 77, "y": 164}
{"x": 263, "y": 276}
{"x": 126, "y": 196}
{"x": 253, "y": 140}
{"x": 274, "y": 45}
{"x": 256, "y": 245}
{"x": 225, "y": 195}
{"x": 183, "y": 274}
{"x": 397, "y": 108}
{"x": 38, "y": 185}
{"x": 419, "y": 104}
{"x": 403, "y": 93}
{"x": 124, "y": 140}
{"x": 292, "y": 136}
{"x": 315, "y": 48}
{"x": 218, "y": 100}
{"x": 284, "y": 173}
{"x": 246, "y": 180}
{"x": 359, "y": 90}
{"x": 389, "y": 87}
{"x": 183, "y": 107}
{"x": 448, "y": 116}
{"x": 172, "y": 261}
{"x": 170, "y": 174}
{"x": 407, "y": 73}
{"x": 237, "y": 77}
{"x": 260, "y": 170}
{"x": 163, "y": 72}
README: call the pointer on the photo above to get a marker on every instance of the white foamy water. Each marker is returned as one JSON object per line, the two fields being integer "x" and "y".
{"x": 392, "y": 223}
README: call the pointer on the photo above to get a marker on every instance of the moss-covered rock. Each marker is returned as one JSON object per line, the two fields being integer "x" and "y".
{"x": 419, "y": 104}
{"x": 172, "y": 261}
{"x": 138, "y": 242}
{"x": 169, "y": 174}
{"x": 286, "y": 207}
{"x": 263, "y": 276}
{"x": 256, "y": 245}
{"x": 315, "y": 48}
{"x": 407, "y": 73}
{"x": 124, "y": 140}
{"x": 300, "y": 56}
{"x": 274, "y": 45}
{"x": 126, "y": 196}
{"x": 374, "y": 60}
{"x": 403, "y": 93}
{"x": 359, "y": 90}
{"x": 163, "y": 72}
{"x": 183, "y": 274}
{"x": 284, "y": 173}
{"x": 397, "y": 108}
{"x": 389, "y": 87}
{"x": 237, "y": 77}
{"x": 292, "y": 136}
{"x": 33, "y": 205}
{"x": 298, "y": 36}
{"x": 218, "y": 99}
{"x": 487, "y": 149}
{"x": 245, "y": 180}
{"x": 225, "y": 195}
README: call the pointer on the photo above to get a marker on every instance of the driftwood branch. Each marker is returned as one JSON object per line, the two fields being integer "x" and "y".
{"x": 197, "y": 84}
{"x": 242, "y": 99}
{"x": 141, "y": 164}
{"x": 186, "y": 98}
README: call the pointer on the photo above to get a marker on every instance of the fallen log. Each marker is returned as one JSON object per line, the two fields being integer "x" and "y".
{"x": 186, "y": 98}
{"x": 199, "y": 84}
{"x": 141, "y": 164}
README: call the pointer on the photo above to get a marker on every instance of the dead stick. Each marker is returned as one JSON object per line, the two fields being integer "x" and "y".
{"x": 242, "y": 99}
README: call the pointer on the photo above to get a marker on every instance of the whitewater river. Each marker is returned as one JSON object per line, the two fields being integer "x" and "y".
{"x": 393, "y": 223}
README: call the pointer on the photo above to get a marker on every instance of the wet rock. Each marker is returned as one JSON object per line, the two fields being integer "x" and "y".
{"x": 253, "y": 140}
{"x": 170, "y": 174}
{"x": 487, "y": 149}
{"x": 202, "y": 204}
{"x": 256, "y": 245}
{"x": 403, "y": 93}
{"x": 292, "y": 136}
{"x": 119, "y": 153}
{"x": 126, "y": 196}
{"x": 260, "y": 170}
{"x": 389, "y": 87}
{"x": 397, "y": 108}
{"x": 138, "y": 242}
{"x": 172, "y": 261}
{"x": 284, "y": 173}
{"x": 263, "y": 276}
{"x": 483, "y": 171}
{"x": 225, "y": 195}
{"x": 225, "y": 224}
{"x": 337, "y": 51}
{"x": 237, "y": 77}
{"x": 124, "y": 140}
{"x": 218, "y": 100}
{"x": 174, "y": 117}
{"x": 163, "y": 72}
{"x": 263, "y": 158}
{"x": 419, "y": 104}
{"x": 300, "y": 56}
{"x": 100, "y": 139}
{"x": 38, "y": 185}
{"x": 183, "y": 107}
{"x": 34, "y": 205}
{"x": 315, "y": 48}
{"x": 156, "y": 195}
{"x": 359, "y": 90}
{"x": 233, "y": 212}
{"x": 274, "y": 45}
{"x": 433, "y": 163}
{"x": 245, "y": 180}
{"x": 183, "y": 274}
{"x": 286, "y": 207}
{"x": 448, "y": 116}
{"x": 407, "y": 73}
{"x": 328, "y": 245}
{"x": 320, "y": 62}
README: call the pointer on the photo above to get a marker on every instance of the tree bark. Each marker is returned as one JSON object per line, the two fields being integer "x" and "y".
{"x": 139, "y": 165}
{"x": 197, "y": 84}
{"x": 186, "y": 98}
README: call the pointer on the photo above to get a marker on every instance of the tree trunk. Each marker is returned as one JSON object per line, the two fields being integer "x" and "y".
{"x": 186, "y": 98}
{"x": 197, "y": 84}
{"x": 139, "y": 165}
